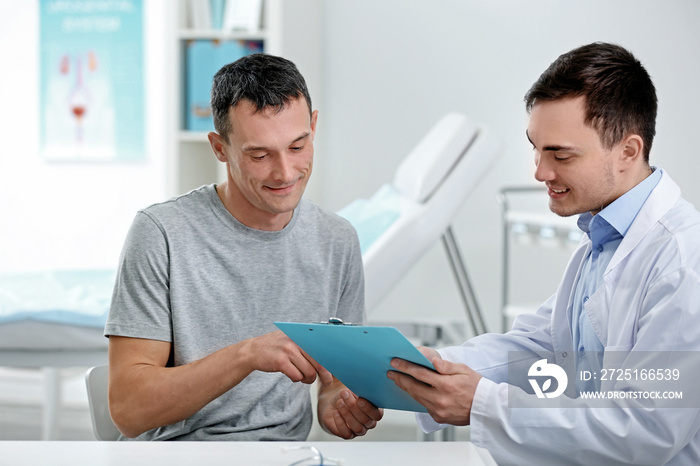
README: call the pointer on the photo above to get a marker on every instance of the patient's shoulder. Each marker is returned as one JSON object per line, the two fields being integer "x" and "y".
{"x": 189, "y": 208}
{"x": 313, "y": 215}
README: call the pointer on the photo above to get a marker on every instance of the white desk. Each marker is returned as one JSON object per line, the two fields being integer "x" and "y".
{"x": 15, "y": 453}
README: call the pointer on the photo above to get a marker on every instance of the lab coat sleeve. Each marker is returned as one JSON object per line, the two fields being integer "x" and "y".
{"x": 613, "y": 432}
{"x": 488, "y": 353}
{"x": 610, "y": 434}
{"x": 576, "y": 434}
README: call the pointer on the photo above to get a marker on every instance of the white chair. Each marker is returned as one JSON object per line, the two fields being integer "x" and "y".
{"x": 96, "y": 380}
{"x": 431, "y": 185}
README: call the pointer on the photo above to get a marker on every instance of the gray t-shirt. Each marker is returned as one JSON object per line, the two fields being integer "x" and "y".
{"x": 192, "y": 275}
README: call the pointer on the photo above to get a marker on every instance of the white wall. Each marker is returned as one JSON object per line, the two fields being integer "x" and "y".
{"x": 68, "y": 215}
{"x": 393, "y": 67}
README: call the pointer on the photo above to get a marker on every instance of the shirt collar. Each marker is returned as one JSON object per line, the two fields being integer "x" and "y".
{"x": 621, "y": 213}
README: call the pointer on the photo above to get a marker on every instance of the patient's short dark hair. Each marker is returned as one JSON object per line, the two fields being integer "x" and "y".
{"x": 265, "y": 80}
{"x": 620, "y": 96}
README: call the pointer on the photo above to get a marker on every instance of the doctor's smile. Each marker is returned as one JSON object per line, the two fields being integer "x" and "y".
{"x": 556, "y": 193}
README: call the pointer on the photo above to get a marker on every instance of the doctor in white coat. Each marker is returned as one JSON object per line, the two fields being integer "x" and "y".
{"x": 632, "y": 288}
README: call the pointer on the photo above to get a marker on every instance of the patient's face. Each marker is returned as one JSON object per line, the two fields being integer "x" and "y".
{"x": 580, "y": 174}
{"x": 270, "y": 159}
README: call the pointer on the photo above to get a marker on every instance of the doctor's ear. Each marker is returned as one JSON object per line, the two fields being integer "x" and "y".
{"x": 632, "y": 149}
{"x": 314, "y": 119}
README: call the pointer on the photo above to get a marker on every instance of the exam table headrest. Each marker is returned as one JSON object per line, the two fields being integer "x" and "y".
{"x": 429, "y": 163}
{"x": 430, "y": 186}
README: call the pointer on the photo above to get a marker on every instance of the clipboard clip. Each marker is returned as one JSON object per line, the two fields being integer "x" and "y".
{"x": 336, "y": 321}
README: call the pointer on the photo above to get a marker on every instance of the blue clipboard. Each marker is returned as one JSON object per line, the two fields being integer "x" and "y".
{"x": 360, "y": 357}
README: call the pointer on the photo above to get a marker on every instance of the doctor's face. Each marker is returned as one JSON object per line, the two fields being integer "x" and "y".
{"x": 579, "y": 173}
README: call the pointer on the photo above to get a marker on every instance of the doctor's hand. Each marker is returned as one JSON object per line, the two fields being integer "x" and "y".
{"x": 447, "y": 393}
{"x": 276, "y": 352}
{"x": 342, "y": 413}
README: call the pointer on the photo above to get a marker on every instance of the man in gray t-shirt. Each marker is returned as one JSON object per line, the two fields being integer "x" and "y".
{"x": 193, "y": 350}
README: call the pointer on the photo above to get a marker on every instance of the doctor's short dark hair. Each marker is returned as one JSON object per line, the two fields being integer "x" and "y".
{"x": 620, "y": 96}
{"x": 265, "y": 80}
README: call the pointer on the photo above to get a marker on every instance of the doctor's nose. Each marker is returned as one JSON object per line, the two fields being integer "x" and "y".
{"x": 543, "y": 169}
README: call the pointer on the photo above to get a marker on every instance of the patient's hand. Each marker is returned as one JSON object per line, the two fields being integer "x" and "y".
{"x": 342, "y": 413}
{"x": 276, "y": 352}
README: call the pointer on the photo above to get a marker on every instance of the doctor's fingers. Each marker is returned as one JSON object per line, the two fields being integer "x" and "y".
{"x": 453, "y": 379}
{"x": 448, "y": 401}
{"x": 419, "y": 391}
{"x": 449, "y": 378}
{"x": 429, "y": 353}
{"x": 446, "y": 367}
{"x": 416, "y": 371}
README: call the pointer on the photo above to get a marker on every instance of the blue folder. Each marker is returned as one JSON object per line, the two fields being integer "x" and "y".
{"x": 360, "y": 357}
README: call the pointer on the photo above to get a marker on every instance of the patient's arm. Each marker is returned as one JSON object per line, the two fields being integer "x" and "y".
{"x": 144, "y": 394}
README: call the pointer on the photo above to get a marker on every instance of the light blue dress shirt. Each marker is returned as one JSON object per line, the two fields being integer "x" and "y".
{"x": 605, "y": 230}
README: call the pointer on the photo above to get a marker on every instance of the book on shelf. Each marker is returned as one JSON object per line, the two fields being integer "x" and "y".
{"x": 203, "y": 58}
{"x": 217, "y": 13}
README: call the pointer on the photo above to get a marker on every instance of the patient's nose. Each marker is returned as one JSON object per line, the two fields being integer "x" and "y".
{"x": 284, "y": 169}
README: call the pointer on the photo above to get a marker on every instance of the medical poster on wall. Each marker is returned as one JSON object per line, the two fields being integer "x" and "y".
{"x": 91, "y": 80}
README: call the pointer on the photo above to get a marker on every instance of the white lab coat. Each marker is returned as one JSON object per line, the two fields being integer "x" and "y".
{"x": 650, "y": 301}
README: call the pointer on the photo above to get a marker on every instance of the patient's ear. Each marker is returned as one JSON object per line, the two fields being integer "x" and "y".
{"x": 217, "y": 145}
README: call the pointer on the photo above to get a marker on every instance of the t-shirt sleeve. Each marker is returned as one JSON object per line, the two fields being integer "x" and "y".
{"x": 140, "y": 300}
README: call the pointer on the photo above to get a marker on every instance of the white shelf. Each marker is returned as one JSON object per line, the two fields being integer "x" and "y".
{"x": 214, "y": 34}
{"x": 193, "y": 136}
{"x": 541, "y": 219}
